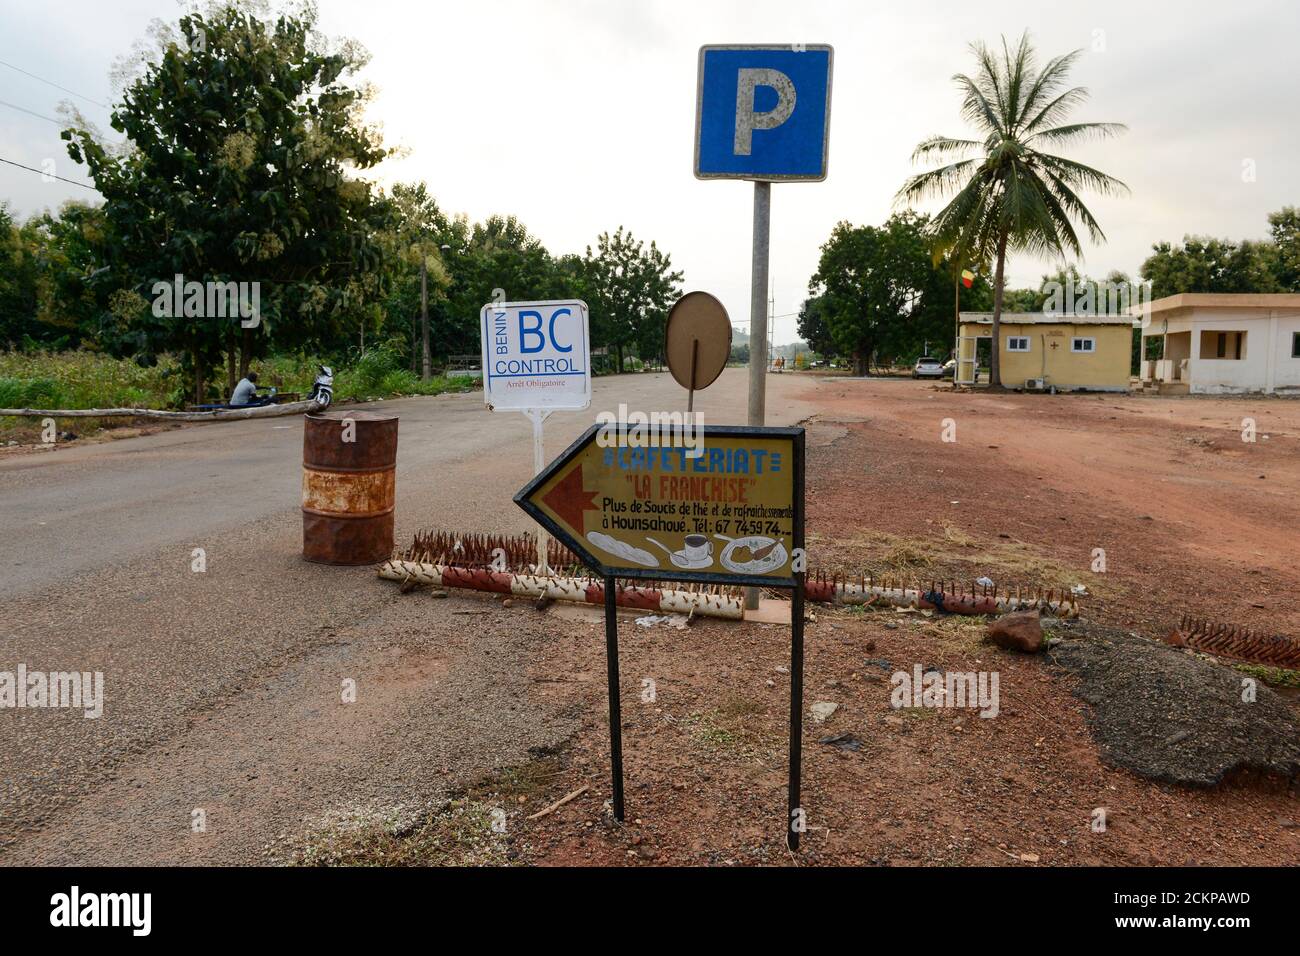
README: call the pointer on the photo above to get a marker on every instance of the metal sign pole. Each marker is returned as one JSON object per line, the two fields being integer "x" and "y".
{"x": 758, "y": 324}
{"x": 795, "y": 817}
{"x": 793, "y": 822}
{"x": 758, "y": 303}
{"x": 695, "y": 359}
{"x": 615, "y": 708}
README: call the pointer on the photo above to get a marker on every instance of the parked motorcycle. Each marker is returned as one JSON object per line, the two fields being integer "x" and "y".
{"x": 322, "y": 389}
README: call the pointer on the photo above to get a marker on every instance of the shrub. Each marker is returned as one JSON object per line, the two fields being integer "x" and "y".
{"x": 30, "y": 393}
{"x": 368, "y": 374}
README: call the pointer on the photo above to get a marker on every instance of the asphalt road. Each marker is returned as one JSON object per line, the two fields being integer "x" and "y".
{"x": 222, "y": 688}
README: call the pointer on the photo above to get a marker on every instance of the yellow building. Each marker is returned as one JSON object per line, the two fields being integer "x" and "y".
{"x": 1045, "y": 350}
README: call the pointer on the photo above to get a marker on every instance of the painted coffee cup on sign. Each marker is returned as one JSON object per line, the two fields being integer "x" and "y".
{"x": 698, "y": 547}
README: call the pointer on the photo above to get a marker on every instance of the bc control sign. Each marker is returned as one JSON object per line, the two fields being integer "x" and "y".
{"x": 536, "y": 355}
{"x": 763, "y": 112}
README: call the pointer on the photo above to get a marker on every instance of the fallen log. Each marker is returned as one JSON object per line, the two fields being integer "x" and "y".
{"x": 216, "y": 415}
{"x": 556, "y": 588}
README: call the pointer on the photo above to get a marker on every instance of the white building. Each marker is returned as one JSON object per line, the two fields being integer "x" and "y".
{"x": 1220, "y": 344}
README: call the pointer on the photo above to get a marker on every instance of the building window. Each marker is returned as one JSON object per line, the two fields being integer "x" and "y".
{"x": 1295, "y": 344}
{"x": 1083, "y": 345}
{"x": 1017, "y": 343}
{"x": 1223, "y": 345}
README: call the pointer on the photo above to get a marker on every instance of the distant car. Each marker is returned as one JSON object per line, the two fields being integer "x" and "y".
{"x": 950, "y": 368}
{"x": 927, "y": 367}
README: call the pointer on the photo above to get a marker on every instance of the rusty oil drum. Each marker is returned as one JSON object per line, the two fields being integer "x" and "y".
{"x": 348, "y": 486}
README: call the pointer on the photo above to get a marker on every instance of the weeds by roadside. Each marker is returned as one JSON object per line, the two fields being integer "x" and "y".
{"x": 459, "y": 834}
{"x": 956, "y": 555}
{"x": 93, "y": 380}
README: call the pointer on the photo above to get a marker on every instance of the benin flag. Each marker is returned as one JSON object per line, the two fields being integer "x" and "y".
{"x": 967, "y": 277}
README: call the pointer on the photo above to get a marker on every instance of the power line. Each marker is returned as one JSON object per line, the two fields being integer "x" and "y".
{"x": 50, "y": 175}
{"x": 23, "y": 109}
{"x": 53, "y": 84}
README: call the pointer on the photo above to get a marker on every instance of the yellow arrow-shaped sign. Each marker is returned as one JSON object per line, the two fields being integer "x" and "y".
{"x": 725, "y": 507}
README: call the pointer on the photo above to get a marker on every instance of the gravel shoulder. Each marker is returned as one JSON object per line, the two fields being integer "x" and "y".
{"x": 1170, "y": 715}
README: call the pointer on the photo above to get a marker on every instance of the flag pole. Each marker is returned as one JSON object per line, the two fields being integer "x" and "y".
{"x": 956, "y": 319}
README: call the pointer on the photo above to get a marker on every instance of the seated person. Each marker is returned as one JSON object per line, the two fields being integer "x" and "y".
{"x": 245, "y": 392}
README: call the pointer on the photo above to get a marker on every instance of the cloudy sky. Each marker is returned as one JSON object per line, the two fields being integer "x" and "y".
{"x": 578, "y": 115}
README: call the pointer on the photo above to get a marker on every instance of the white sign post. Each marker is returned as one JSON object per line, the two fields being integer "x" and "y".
{"x": 536, "y": 360}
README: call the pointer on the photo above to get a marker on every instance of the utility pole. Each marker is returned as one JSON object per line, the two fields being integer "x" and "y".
{"x": 771, "y": 322}
{"x": 956, "y": 319}
{"x": 426, "y": 371}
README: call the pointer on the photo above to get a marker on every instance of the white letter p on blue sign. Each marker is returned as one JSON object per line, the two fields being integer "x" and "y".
{"x": 748, "y": 118}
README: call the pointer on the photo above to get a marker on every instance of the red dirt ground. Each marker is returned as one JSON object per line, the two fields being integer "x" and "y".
{"x": 1192, "y": 520}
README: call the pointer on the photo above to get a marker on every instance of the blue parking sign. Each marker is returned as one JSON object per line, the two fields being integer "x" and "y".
{"x": 763, "y": 112}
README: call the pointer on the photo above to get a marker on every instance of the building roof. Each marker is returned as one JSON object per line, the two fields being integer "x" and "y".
{"x": 1227, "y": 300}
{"x": 1046, "y": 318}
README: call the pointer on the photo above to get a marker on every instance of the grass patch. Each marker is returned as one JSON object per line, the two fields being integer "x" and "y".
{"x": 918, "y": 713}
{"x": 460, "y": 834}
{"x": 517, "y": 785}
{"x": 1273, "y": 676}
{"x": 81, "y": 380}
{"x": 958, "y": 538}
{"x": 731, "y": 729}
{"x": 957, "y": 632}
{"x": 956, "y": 556}
{"x": 472, "y": 830}
{"x": 92, "y": 380}
{"x": 739, "y": 709}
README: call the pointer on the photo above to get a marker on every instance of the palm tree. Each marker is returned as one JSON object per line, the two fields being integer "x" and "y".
{"x": 1011, "y": 195}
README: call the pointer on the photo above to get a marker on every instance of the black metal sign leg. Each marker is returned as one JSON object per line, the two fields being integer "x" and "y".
{"x": 615, "y": 709}
{"x": 795, "y": 816}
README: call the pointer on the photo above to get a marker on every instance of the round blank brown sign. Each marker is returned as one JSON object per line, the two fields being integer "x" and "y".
{"x": 697, "y": 318}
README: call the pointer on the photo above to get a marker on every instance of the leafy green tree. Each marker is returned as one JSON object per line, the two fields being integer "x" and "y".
{"x": 1284, "y": 227}
{"x": 1203, "y": 264}
{"x": 1022, "y": 300}
{"x": 74, "y": 292}
{"x": 1011, "y": 195}
{"x": 242, "y": 136}
{"x": 497, "y": 257}
{"x": 812, "y": 326}
{"x": 422, "y": 238}
{"x": 17, "y": 283}
{"x": 932, "y": 323}
{"x": 868, "y": 282}
{"x": 629, "y": 289}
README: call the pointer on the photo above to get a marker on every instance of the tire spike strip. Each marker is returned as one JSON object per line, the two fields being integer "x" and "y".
{"x": 502, "y": 557}
{"x": 1239, "y": 643}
